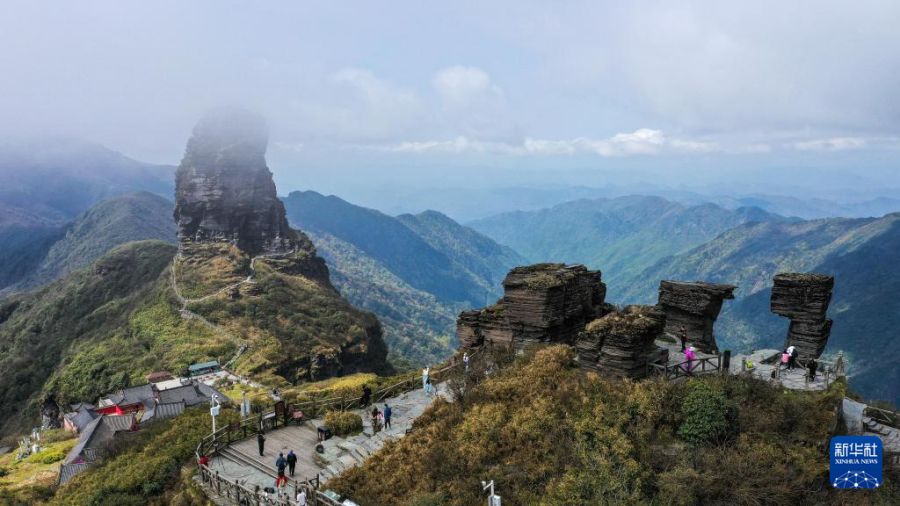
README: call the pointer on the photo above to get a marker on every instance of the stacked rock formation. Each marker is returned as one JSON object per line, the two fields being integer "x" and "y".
{"x": 541, "y": 303}
{"x": 694, "y": 305}
{"x": 224, "y": 191}
{"x": 622, "y": 343}
{"x": 804, "y": 298}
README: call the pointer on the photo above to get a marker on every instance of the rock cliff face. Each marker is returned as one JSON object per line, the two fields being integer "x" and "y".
{"x": 696, "y": 306}
{"x": 622, "y": 342}
{"x": 232, "y": 227}
{"x": 225, "y": 193}
{"x": 541, "y": 303}
{"x": 804, "y": 298}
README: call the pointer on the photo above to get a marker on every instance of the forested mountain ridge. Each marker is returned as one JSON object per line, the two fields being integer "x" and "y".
{"x": 621, "y": 236}
{"x": 862, "y": 254}
{"x": 107, "y": 224}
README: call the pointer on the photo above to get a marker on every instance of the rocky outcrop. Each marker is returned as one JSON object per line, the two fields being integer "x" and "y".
{"x": 804, "y": 298}
{"x": 541, "y": 303}
{"x": 694, "y": 305}
{"x": 622, "y": 343}
{"x": 224, "y": 191}
{"x": 50, "y": 414}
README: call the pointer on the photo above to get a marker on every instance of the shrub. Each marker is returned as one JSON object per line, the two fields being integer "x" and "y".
{"x": 343, "y": 423}
{"x": 47, "y": 456}
{"x": 704, "y": 414}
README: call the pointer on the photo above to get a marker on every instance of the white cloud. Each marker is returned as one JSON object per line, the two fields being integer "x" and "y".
{"x": 643, "y": 141}
{"x": 832, "y": 144}
{"x": 460, "y": 86}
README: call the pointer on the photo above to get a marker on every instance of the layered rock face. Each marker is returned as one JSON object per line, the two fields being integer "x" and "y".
{"x": 804, "y": 298}
{"x": 541, "y": 303}
{"x": 224, "y": 191}
{"x": 694, "y": 305}
{"x": 622, "y": 342}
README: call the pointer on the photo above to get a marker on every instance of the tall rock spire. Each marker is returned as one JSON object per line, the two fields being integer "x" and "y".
{"x": 224, "y": 191}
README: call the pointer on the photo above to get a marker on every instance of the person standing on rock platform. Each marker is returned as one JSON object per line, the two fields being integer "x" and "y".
{"x": 466, "y": 361}
{"x": 261, "y": 442}
{"x": 387, "y": 416}
{"x": 682, "y": 335}
{"x": 291, "y": 462}
{"x": 812, "y": 365}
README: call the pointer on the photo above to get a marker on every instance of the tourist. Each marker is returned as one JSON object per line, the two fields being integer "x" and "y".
{"x": 786, "y": 359}
{"x": 429, "y": 388}
{"x": 375, "y": 424}
{"x": 366, "y": 396}
{"x": 301, "y": 497}
{"x": 281, "y": 483}
{"x": 689, "y": 356}
{"x": 466, "y": 361}
{"x": 291, "y": 462}
{"x": 261, "y": 441}
{"x": 682, "y": 335}
{"x": 425, "y": 377}
{"x": 812, "y": 365}
{"x": 280, "y": 463}
{"x": 792, "y": 356}
{"x": 203, "y": 461}
{"x": 387, "y": 416}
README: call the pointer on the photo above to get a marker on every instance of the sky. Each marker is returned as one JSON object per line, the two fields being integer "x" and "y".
{"x": 362, "y": 96}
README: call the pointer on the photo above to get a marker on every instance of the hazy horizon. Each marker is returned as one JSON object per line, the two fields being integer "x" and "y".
{"x": 783, "y": 98}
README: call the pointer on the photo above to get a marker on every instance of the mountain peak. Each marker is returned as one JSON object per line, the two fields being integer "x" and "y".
{"x": 224, "y": 191}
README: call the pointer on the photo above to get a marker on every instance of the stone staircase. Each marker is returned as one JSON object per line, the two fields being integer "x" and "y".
{"x": 245, "y": 460}
{"x": 890, "y": 436}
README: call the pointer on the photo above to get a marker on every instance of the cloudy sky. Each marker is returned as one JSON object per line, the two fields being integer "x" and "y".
{"x": 367, "y": 94}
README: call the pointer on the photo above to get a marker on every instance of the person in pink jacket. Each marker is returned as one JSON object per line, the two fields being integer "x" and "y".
{"x": 689, "y": 355}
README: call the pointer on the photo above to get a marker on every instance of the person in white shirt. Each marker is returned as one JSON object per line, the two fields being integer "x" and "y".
{"x": 424, "y": 376}
{"x": 301, "y": 497}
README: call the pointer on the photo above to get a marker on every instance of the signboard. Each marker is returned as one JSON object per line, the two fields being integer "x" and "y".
{"x": 214, "y": 411}
{"x": 856, "y": 462}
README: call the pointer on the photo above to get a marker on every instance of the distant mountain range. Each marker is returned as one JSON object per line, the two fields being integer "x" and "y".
{"x": 621, "y": 236}
{"x": 416, "y": 272}
{"x": 54, "y": 252}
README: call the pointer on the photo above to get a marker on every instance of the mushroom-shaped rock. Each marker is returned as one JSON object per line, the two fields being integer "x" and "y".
{"x": 694, "y": 306}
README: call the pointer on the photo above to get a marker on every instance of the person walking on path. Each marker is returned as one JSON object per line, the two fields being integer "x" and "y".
{"x": 301, "y": 497}
{"x": 429, "y": 388}
{"x": 387, "y": 416}
{"x": 261, "y": 442}
{"x": 366, "y": 396}
{"x": 425, "y": 376}
{"x": 689, "y": 356}
{"x": 375, "y": 424}
{"x": 682, "y": 335}
{"x": 280, "y": 464}
{"x": 291, "y": 462}
{"x": 812, "y": 365}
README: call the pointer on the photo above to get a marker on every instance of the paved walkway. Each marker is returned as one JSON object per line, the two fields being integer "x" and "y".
{"x": 241, "y": 461}
{"x": 794, "y": 379}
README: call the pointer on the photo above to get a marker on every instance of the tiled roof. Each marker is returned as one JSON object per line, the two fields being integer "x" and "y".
{"x": 68, "y": 471}
{"x": 81, "y": 418}
{"x": 203, "y": 365}
{"x": 189, "y": 394}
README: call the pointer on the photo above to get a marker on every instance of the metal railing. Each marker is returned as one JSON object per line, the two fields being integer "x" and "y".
{"x": 239, "y": 493}
{"x": 247, "y": 427}
{"x": 705, "y": 365}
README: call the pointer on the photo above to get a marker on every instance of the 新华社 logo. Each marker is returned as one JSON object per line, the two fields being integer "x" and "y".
{"x": 856, "y": 462}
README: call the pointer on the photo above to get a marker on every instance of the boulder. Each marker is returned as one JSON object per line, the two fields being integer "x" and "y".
{"x": 622, "y": 343}
{"x": 694, "y": 305}
{"x": 804, "y": 299}
{"x": 542, "y": 303}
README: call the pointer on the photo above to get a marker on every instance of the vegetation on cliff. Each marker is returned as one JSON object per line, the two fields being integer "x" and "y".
{"x": 549, "y": 434}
